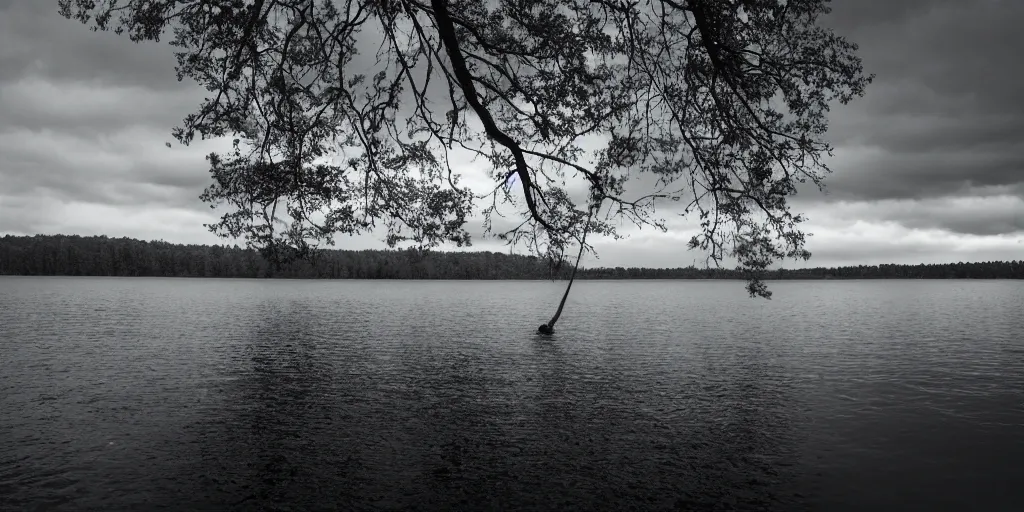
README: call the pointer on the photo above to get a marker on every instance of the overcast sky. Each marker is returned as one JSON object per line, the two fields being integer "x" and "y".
{"x": 929, "y": 165}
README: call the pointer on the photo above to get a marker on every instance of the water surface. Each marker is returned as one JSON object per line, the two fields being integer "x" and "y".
{"x": 124, "y": 393}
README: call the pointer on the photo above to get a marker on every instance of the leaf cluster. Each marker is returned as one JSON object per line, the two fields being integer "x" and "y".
{"x": 349, "y": 114}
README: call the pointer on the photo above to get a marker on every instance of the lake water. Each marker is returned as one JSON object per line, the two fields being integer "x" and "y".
{"x": 131, "y": 394}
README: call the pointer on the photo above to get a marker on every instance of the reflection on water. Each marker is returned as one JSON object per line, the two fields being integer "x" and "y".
{"x": 298, "y": 395}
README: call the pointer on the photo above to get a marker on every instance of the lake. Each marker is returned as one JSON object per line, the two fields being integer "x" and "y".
{"x": 141, "y": 393}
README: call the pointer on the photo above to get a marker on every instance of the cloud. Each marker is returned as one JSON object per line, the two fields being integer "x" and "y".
{"x": 87, "y": 110}
{"x": 872, "y": 243}
{"x": 29, "y": 216}
{"x": 929, "y": 166}
{"x": 131, "y": 167}
{"x": 997, "y": 214}
{"x": 84, "y": 118}
{"x": 870, "y": 173}
{"x": 36, "y": 41}
{"x": 944, "y": 116}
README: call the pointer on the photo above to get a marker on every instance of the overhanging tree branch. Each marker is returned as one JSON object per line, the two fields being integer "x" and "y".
{"x": 446, "y": 30}
{"x": 573, "y": 96}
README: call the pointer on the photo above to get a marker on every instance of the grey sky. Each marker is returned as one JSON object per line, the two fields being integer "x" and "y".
{"x": 929, "y": 164}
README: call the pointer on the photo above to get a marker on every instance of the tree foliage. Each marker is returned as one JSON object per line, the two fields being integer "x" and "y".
{"x": 59, "y": 255}
{"x": 348, "y": 114}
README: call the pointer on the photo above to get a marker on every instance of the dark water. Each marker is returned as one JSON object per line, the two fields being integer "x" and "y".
{"x": 120, "y": 394}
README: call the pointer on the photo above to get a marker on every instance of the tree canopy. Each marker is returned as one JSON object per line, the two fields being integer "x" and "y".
{"x": 348, "y": 114}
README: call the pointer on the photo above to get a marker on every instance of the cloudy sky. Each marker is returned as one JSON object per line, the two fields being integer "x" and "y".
{"x": 929, "y": 165}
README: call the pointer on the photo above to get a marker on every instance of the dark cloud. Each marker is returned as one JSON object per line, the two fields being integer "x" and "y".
{"x": 929, "y": 165}
{"x": 944, "y": 117}
{"x": 36, "y": 41}
{"x": 960, "y": 50}
{"x": 906, "y": 118}
{"x": 945, "y": 110}
{"x": 997, "y": 213}
{"x": 84, "y": 117}
{"x": 90, "y": 112}
{"x": 851, "y": 17}
{"x": 870, "y": 174}
{"x": 125, "y": 168}
{"x": 994, "y": 223}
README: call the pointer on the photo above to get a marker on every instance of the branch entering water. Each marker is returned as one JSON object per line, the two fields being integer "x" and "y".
{"x": 549, "y": 327}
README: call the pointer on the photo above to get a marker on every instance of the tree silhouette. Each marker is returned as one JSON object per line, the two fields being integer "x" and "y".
{"x": 347, "y": 114}
{"x": 59, "y": 255}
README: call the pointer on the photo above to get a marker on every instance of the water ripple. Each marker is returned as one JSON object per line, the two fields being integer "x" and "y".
{"x": 350, "y": 395}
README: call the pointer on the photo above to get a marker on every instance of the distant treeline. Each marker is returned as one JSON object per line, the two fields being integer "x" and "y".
{"x": 59, "y": 255}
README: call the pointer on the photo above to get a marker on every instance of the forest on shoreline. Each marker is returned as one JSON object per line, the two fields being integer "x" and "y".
{"x": 73, "y": 255}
